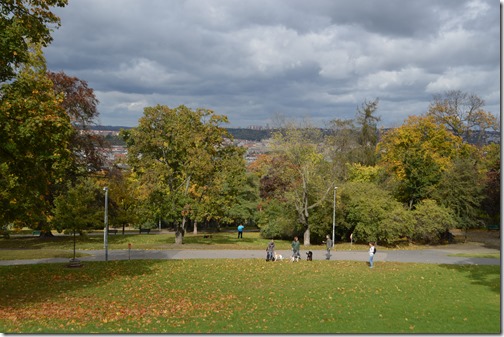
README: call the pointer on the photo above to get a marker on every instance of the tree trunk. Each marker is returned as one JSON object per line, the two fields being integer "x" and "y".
{"x": 180, "y": 232}
{"x": 306, "y": 237}
{"x": 179, "y": 235}
{"x": 195, "y": 230}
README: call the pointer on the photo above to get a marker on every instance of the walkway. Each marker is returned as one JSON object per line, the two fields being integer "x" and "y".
{"x": 436, "y": 256}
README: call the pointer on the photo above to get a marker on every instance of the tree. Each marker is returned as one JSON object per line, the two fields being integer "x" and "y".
{"x": 311, "y": 181}
{"x": 432, "y": 221}
{"x": 372, "y": 214}
{"x": 24, "y": 22}
{"x": 34, "y": 144}
{"x": 342, "y": 147}
{"x": 80, "y": 103}
{"x": 228, "y": 194}
{"x": 491, "y": 204}
{"x": 463, "y": 114}
{"x": 368, "y": 133}
{"x": 80, "y": 208}
{"x": 417, "y": 153}
{"x": 460, "y": 190}
{"x": 170, "y": 151}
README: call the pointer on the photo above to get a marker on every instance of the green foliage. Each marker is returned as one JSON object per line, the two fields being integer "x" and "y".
{"x": 184, "y": 168}
{"x": 432, "y": 220}
{"x": 34, "y": 144}
{"x": 80, "y": 208}
{"x": 368, "y": 133}
{"x": 460, "y": 190}
{"x": 372, "y": 214}
{"x": 23, "y": 22}
{"x": 303, "y": 149}
{"x": 275, "y": 219}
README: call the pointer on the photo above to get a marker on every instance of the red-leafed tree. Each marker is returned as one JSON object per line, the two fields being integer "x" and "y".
{"x": 80, "y": 104}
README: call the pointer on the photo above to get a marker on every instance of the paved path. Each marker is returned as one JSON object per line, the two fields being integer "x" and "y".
{"x": 437, "y": 256}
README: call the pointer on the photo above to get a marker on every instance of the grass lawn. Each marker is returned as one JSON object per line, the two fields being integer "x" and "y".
{"x": 224, "y": 240}
{"x": 249, "y": 296}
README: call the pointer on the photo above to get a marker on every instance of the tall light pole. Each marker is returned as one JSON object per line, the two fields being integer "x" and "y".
{"x": 105, "y": 232}
{"x": 334, "y": 214}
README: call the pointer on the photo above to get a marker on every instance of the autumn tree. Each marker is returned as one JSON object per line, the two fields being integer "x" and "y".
{"x": 276, "y": 217}
{"x": 417, "y": 153}
{"x": 34, "y": 144}
{"x": 302, "y": 147}
{"x": 22, "y": 23}
{"x": 170, "y": 151}
{"x": 80, "y": 104}
{"x": 463, "y": 114}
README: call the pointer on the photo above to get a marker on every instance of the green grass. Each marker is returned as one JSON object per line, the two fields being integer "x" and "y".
{"x": 154, "y": 241}
{"x": 249, "y": 296}
{"x": 478, "y": 255}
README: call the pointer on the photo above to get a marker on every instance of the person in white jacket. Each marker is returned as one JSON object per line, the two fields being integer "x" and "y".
{"x": 372, "y": 251}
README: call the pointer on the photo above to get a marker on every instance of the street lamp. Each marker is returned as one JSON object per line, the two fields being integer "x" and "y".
{"x": 334, "y": 214}
{"x": 105, "y": 232}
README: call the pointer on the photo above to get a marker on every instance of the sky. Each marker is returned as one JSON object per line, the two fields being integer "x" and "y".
{"x": 258, "y": 61}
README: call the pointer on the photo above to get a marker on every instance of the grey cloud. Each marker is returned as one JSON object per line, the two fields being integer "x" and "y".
{"x": 253, "y": 59}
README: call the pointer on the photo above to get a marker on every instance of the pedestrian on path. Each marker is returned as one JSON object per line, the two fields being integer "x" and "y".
{"x": 240, "y": 231}
{"x": 372, "y": 252}
{"x": 329, "y": 244}
{"x": 270, "y": 250}
{"x": 296, "y": 245}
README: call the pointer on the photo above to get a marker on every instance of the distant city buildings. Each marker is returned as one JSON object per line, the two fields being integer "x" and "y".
{"x": 254, "y": 148}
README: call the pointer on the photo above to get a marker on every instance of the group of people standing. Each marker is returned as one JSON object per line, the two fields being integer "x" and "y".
{"x": 296, "y": 247}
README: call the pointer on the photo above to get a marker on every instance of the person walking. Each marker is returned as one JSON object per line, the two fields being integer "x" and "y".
{"x": 270, "y": 250}
{"x": 329, "y": 244}
{"x": 372, "y": 252}
{"x": 296, "y": 245}
{"x": 240, "y": 231}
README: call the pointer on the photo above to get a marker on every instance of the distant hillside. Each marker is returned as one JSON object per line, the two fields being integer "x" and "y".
{"x": 250, "y": 134}
{"x": 246, "y": 134}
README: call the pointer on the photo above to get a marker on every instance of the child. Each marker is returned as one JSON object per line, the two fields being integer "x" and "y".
{"x": 270, "y": 250}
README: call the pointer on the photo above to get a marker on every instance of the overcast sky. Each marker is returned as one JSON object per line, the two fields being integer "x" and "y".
{"x": 254, "y": 59}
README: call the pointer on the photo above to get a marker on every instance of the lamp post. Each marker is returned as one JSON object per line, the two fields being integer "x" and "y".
{"x": 105, "y": 232}
{"x": 334, "y": 214}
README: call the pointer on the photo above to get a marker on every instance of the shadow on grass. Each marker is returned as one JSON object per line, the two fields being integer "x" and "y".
{"x": 488, "y": 276}
{"x": 37, "y": 283}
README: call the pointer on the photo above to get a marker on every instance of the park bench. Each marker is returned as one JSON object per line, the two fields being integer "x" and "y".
{"x": 36, "y": 233}
{"x": 493, "y": 227}
{"x": 144, "y": 230}
{"x": 112, "y": 231}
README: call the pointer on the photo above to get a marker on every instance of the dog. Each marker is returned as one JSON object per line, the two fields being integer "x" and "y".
{"x": 295, "y": 258}
{"x": 278, "y": 257}
{"x": 309, "y": 256}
